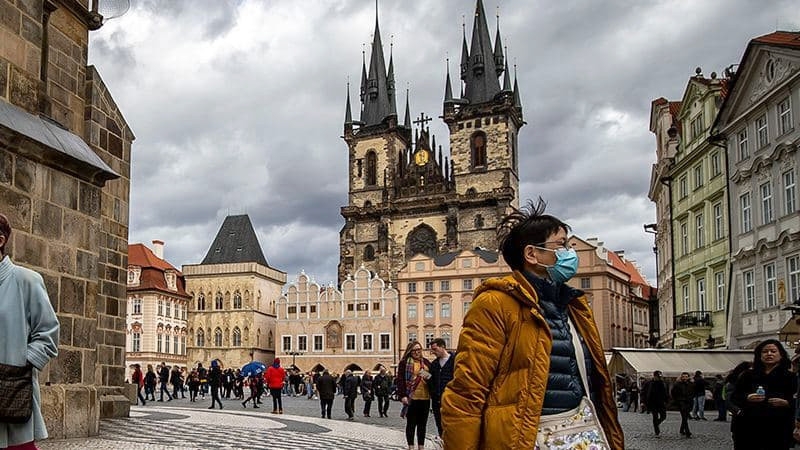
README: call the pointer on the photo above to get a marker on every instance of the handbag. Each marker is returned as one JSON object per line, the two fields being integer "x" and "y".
{"x": 16, "y": 393}
{"x": 579, "y": 427}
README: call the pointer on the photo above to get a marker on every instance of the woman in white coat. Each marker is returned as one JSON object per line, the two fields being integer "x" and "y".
{"x": 28, "y": 336}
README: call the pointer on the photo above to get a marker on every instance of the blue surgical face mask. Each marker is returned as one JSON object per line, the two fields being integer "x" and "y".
{"x": 566, "y": 265}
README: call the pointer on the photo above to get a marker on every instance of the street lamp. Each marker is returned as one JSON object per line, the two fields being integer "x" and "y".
{"x": 294, "y": 354}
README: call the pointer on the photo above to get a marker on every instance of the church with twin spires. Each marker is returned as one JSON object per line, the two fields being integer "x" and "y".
{"x": 405, "y": 197}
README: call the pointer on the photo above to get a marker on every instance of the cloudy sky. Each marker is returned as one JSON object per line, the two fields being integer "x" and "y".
{"x": 237, "y": 106}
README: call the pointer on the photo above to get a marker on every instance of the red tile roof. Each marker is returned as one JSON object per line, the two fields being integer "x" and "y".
{"x": 782, "y": 38}
{"x": 629, "y": 268}
{"x": 153, "y": 268}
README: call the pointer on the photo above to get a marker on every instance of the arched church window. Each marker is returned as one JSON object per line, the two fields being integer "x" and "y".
{"x": 422, "y": 240}
{"x": 369, "y": 253}
{"x": 367, "y": 204}
{"x": 201, "y": 302}
{"x": 218, "y": 337}
{"x": 372, "y": 168}
{"x": 237, "y": 300}
{"x": 269, "y": 342}
{"x": 471, "y": 192}
{"x": 237, "y": 337}
{"x": 200, "y": 340}
{"x": 478, "y": 147}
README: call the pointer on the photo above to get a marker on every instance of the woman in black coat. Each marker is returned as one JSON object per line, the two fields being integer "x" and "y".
{"x": 765, "y": 396}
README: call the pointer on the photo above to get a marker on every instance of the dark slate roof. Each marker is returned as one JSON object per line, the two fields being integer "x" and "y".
{"x": 53, "y": 137}
{"x": 377, "y": 105}
{"x": 446, "y": 259}
{"x": 482, "y": 86}
{"x": 236, "y": 242}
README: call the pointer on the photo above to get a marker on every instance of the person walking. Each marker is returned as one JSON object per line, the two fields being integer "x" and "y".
{"x": 194, "y": 385}
{"x": 29, "y": 332}
{"x": 274, "y": 378}
{"x": 656, "y": 400}
{"x": 138, "y": 379}
{"x": 309, "y": 381}
{"x": 382, "y": 385}
{"x": 215, "y": 382}
{"x": 176, "y": 379}
{"x": 683, "y": 395}
{"x": 441, "y": 374}
{"x": 719, "y": 399}
{"x": 326, "y": 388}
{"x": 529, "y": 347}
{"x": 150, "y": 382}
{"x": 163, "y": 378}
{"x": 765, "y": 394}
{"x": 367, "y": 391}
{"x": 729, "y": 394}
{"x": 252, "y": 383}
{"x": 350, "y": 392}
{"x": 413, "y": 373}
{"x": 699, "y": 387}
{"x": 633, "y": 397}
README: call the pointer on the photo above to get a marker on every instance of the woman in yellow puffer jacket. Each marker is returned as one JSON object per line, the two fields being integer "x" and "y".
{"x": 503, "y": 362}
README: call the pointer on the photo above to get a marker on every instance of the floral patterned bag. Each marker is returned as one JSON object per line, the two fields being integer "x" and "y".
{"x": 578, "y": 428}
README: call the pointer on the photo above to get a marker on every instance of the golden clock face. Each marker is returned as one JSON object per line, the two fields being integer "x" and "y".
{"x": 421, "y": 157}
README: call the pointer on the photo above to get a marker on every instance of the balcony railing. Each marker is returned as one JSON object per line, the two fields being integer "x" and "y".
{"x": 693, "y": 319}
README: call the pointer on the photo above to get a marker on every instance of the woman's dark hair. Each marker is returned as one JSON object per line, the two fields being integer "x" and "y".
{"x": 733, "y": 375}
{"x": 758, "y": 365}
{"x": 5, "y": 230}
{"x": 528, "y": 225}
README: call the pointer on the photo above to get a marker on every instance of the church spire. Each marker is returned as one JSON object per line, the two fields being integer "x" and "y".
{"x": 481, "y": 76}
{"x": 363, "y": 75}
{"x": 506, "y": 79}
{"x": 390, "y": 83}
{"x": 517, "y": 101}
{"x": 448, "y": 88}
{"x": 377, "y": 106}
{"x": 348, "y": 115}
{"x": 464, "y": 53}
{"x": 407, "y": 120}
{"x": 498, "y": 50}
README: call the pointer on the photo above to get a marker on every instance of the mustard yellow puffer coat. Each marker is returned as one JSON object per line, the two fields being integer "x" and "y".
{"x": 495, "y": 398}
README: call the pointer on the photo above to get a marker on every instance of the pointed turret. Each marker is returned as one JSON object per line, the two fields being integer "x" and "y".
{"x": 464, "y": 53}
{"x": 390, "y": 84}
{"x": 499, "y": 60}
{"x": 481, "y": 77}
{"x": 517, "y": 101}
{"x": 506, "y": 80}
{"x": 377, "y": 106}
{"x": 348, "y": 115}
{"x": 363, "y": 77}
{"x": 407, "y": 119}
{"x": 448, "y": 87}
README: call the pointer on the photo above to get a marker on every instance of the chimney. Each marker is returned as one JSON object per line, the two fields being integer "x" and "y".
{"x": 158, "y": 248}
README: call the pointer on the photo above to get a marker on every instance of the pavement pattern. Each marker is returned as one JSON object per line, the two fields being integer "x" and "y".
{"x": 183, "y": 425}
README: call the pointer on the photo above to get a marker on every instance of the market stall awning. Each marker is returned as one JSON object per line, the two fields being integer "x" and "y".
{"x": 643, "y": 362}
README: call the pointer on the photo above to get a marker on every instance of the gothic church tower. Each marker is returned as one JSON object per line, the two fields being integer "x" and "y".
{"x": 404, "y": 196}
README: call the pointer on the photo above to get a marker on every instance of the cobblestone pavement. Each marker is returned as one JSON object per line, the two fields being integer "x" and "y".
{"x": 183, "y": 425}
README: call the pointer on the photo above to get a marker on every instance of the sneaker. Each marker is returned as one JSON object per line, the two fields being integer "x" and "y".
{"x": 244, "y": 404}
{"x": 280, "y": 411}
{"x": 274, "y": 411}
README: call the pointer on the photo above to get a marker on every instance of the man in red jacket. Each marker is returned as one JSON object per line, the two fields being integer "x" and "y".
{"x": 274, "y": 377}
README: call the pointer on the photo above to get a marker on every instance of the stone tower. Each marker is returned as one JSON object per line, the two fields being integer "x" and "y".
{"x": 405, "y": 197}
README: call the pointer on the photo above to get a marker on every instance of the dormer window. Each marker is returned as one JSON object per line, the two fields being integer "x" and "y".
{"x": 134, "y": 273}
{"x": 170, "y": 277}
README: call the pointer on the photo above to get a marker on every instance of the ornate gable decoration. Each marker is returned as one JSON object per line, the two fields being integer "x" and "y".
{"x": 774, "y": 69}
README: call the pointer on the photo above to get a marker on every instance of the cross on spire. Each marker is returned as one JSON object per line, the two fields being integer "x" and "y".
{"x": 422, "y": 120}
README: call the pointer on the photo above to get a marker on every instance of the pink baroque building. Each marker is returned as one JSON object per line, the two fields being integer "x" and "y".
{"x": 436, "y": 292}
{"x": 617, "y": 293}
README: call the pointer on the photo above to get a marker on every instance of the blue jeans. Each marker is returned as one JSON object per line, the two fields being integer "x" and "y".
{"x": 699, "y": 406}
